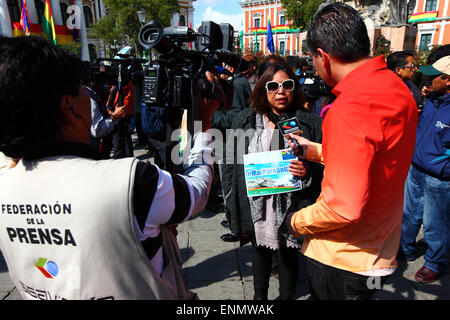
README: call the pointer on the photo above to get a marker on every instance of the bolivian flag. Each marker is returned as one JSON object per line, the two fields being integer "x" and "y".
{"x": 48, "y": 26}
{"x": 423, "y": 16}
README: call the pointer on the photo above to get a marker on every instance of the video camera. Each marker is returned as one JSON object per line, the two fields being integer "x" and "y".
{"x": 116, "y": 71}
{"x": 176, "y": 80}
{"x": 313, "y": 86}
{"x": 170, "y": 81}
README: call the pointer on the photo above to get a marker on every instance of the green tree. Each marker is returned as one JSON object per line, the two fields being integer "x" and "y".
{"x": 300, "y": 12}
{"x": 121, "y": 22}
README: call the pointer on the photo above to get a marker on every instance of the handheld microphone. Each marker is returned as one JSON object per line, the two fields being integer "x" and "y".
{"x": 290, "y": 125}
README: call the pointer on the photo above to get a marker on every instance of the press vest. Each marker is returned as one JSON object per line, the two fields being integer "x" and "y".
{"x": 67, "y": 231}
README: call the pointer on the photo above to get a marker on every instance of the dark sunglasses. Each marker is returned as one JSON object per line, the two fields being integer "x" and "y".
{"x": 412, "y": 66}
{"x": 287, "y": 85}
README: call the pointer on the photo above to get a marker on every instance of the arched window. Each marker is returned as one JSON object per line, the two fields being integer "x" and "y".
{"x": 92, "y": 52}
{"x": 14, "y": 10}
{"x": 182, "y": 21}
{"x": 88, "y": 16}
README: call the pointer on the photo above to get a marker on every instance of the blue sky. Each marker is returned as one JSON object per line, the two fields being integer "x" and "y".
{"x": 219, "y": 11}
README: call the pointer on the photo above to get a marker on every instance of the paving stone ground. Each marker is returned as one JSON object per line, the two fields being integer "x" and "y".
{"x": 218, "y": 270}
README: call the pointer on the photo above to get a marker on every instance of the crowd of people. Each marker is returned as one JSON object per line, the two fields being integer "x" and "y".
{"x": 372, "y": 160}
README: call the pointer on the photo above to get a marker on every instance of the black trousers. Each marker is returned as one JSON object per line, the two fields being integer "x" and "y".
{"x": 158, "y": 148}
{"x": 121, "y": 140}
{"x": 142, "y": 137}
{"x": 287, "y": 263}
{"x": 328, "y": 283}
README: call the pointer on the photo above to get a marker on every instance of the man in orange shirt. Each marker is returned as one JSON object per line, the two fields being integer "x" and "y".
{"x": 120, "y": 106}
{"x": 353, "y": 230}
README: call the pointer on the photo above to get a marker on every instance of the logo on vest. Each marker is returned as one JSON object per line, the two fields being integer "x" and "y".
{"x": 48, "y": 268}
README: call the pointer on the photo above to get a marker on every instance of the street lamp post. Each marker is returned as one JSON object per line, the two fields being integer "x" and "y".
{"x": 141, "y": 16}
{"x": 142, "y": 19}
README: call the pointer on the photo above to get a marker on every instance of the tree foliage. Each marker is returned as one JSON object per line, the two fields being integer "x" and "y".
{"x": 121, "y": 23}
{"x": 300, "y": 12}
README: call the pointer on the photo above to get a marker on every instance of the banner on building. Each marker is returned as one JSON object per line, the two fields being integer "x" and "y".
{"x": 63, "y": 34}
{"x": 423, "y": 16}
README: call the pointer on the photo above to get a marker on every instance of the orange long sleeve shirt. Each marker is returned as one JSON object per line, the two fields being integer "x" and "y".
{"x": 367, "y": 148}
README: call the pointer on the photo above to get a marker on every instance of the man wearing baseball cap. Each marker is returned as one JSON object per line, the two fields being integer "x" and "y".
{"x": 428, "y": 182}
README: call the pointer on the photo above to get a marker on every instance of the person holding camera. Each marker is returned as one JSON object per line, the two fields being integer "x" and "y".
{"x": 264, "y": 217}
{"x": 120, "y": 107}
{"x": 353, "y": 230}
{"x": 72, "y": 226}
{"x": 239, "y": 89}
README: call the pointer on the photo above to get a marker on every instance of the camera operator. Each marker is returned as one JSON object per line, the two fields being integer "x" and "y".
{"x": 304, "y": 70}
{"x": 223, "y": 118}
{"x": 102, "y": 124}
{"x": 317, "y": 93}
{"x": 73, "y": 227}
{"x": 120, "y": 107}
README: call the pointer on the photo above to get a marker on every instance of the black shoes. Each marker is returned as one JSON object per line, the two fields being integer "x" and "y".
{"x": 230, "y": 237}
{"x": 225, "y": 224}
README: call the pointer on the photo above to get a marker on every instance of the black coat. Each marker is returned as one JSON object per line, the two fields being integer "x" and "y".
{"x": 233, "y": 178}
{"x": 223, "y": 118}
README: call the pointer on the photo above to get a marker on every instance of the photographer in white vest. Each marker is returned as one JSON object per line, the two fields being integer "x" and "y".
{"x": 72, "y": 226}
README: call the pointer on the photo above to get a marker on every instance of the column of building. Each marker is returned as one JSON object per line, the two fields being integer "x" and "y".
{"x": 97, "y": 11}
{"x": 5, "y": 20}
{"x": 83, "y": 32}
{"x": 56, "y": 11}
{"x": 32, "y": 13}
{"x": 102, "y": 9}
{"x": 443, "y": 23}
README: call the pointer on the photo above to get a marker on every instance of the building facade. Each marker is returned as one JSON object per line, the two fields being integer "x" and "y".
{"x": 63, "y": 13}
{"x": 185, "y": 18}
{"x": 256, "y": 15}
{"x": 90, "y": 11}
{"x": 407, "y": 24}
{"x": 432, "y": 18}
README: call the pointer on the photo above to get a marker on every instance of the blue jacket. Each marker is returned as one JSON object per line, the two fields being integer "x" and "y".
{"x": 153, "y": 120}
{"x": 432, "y": 151}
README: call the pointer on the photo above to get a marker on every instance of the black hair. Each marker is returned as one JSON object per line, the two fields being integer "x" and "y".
{"x": 268, "y": 61}
{"x": 398, "y": 59}
{"x": 34, "y": 76}
{"x": 438, "y": 53}
{"x": 339, "y": 30}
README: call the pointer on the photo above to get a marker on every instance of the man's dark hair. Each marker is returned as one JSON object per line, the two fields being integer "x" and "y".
{"x": 398, "y": 59}
{"x": 339, "y": 30}
{"x": 34, "y": 76}
{"x": 438, "y": 53}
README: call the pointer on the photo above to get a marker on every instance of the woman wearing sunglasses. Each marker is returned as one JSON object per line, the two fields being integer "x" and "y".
{"x": 263, "y": 218}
